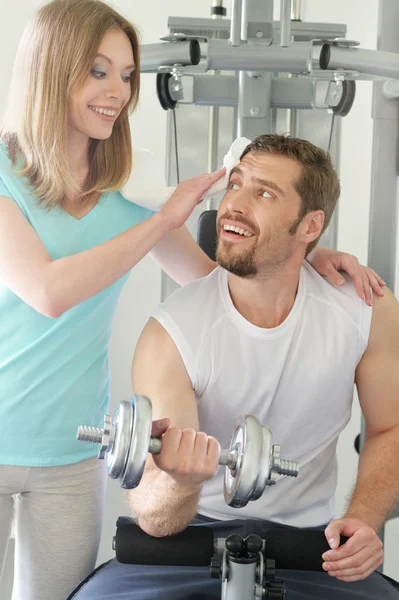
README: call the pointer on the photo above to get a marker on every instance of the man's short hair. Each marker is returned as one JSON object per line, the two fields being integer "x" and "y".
{"x": 318, "y": 185}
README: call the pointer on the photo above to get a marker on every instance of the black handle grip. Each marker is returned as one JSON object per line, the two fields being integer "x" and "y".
{"x": 192, "y": 547}
{"x": 291, "y": 548}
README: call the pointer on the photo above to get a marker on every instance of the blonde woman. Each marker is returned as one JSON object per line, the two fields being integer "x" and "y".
{"x": 68, "y": 240}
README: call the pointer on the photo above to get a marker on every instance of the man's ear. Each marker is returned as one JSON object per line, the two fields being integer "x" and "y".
{"x": 311, "y": 226}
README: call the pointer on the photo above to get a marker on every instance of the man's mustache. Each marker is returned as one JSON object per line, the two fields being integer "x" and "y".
{"x": 242, "y": 221}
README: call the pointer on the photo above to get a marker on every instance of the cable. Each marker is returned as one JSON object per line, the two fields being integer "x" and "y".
{"x": 176, "y": 150}
{"x": 331, "y": 133}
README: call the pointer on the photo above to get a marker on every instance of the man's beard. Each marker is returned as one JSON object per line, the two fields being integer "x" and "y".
{"x": 245, "y": 265}
{"x": 242, "y": 265}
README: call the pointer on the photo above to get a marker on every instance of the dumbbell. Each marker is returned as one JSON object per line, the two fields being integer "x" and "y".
{"x": 251, "y": 462}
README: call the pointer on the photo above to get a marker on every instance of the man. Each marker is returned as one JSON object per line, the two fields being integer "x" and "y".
{"x": 265, "y": 334}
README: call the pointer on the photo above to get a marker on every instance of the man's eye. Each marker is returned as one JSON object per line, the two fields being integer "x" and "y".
{"x": 233, "y": 186}
{"x": 265, "y": 194}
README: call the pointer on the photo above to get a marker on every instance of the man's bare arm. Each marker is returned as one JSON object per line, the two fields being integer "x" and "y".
{"x": 377, "y": 485}
{"x": 166, "y": 499}
{"x": 377, "y": 381}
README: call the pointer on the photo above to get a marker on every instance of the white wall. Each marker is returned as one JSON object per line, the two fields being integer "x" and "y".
{"x": 142, "y": 291}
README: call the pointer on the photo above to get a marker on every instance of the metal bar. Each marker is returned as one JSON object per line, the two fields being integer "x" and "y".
{"x": 292, "y": 123}
{"x": 244, "y": 20}
{"x": 241, "y": 580}
{"x": 371, "y": 62}
{"x": 222, "y": 90}
{"x": 257, "y": 57}
{"x": 235, "y": 28}
{"x": 296, "y": 12}
{"x": 165, "y": 53}
{"x": 305, "y": 30}
{"x": 254, "y": 113}
{"x": 330, "y": 236}
{"x": 285, "y": 22}
{"x": 213, "y": 139}
{"x": 295, "y": 93}
{"x": 255, "y": 11}
{"x": 384, "y": 211}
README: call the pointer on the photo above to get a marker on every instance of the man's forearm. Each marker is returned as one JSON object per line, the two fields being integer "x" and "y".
{"x": 377, "y": 485}
{"x": 161, "y": 506}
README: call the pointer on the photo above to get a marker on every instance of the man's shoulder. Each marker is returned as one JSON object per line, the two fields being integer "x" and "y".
{"x": 196, "y": 305}
{"x": 190, "y": 314}
{"x": 328, "y": 297}
{"x": 196, "y": 292}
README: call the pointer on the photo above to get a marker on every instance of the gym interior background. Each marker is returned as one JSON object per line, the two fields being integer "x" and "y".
{"x": 143, "y": 290}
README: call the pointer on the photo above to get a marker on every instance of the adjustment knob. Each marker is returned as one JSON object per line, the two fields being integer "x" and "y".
{"x": 235, "y": 545}
{"x": 253, "y": 544}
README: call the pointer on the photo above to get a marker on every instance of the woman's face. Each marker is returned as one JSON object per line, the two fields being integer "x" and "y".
{"x": 94, "y": 108}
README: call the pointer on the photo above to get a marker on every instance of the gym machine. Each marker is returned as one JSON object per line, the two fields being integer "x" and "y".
{"x": 245, "y": 562}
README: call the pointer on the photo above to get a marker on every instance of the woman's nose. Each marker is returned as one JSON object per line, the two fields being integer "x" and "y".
{"x": 116, "y": 88}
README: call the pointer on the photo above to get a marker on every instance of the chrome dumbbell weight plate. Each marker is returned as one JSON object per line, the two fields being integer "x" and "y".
{"x": 140, "y": 443}
{"x": 266, "y": 475}
{"x": 125, "y": 440}
{"x": 121, "y": 427}
{"x": 258, "y": 463}
{"x": 246, "y": 444}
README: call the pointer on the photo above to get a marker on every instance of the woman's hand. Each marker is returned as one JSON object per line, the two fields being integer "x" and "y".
{"x": 329, "y": 262}
{"x": 187, "y": 195}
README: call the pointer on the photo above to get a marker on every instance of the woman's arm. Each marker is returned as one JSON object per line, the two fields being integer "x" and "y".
{"x": 54, "y": 286}
{"x": 181, "y": 258}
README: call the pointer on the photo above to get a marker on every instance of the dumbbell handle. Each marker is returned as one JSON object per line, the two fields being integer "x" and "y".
{"x": 227, "y": 458}
{"x": 95, "y": 436}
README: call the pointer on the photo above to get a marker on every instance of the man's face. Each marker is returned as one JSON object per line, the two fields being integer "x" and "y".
{"x": 261, "y": 201}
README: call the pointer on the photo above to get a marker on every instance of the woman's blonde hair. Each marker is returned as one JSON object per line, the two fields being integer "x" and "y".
{"x": 55, "y": 56}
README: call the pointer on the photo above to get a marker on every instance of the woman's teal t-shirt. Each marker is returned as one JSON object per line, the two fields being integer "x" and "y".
{"x": 54, "y": 373}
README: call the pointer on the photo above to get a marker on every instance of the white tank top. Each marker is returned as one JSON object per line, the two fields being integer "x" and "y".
{"x": 297, "y": 379}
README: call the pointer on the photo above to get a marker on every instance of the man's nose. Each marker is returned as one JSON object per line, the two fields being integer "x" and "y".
{"x": 238, "y": 201}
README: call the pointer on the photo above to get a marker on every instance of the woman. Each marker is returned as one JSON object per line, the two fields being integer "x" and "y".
{"x": 68, "y": 240}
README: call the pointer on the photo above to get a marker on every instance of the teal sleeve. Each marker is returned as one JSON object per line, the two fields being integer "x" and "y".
{"x": 4, "y": 191}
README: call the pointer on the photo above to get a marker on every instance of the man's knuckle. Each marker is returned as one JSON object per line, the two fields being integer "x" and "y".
{"x": 202, "y": 437}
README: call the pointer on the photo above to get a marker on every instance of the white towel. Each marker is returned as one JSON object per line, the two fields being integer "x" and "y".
{"x": 147, "y": 187}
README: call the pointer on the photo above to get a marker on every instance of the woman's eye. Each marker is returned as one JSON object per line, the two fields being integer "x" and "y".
{"x": 127, "y": 78}
{"x": 98, "y": 74}
{"x": 233, "y": 186}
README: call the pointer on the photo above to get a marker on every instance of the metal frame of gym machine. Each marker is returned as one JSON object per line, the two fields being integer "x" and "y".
{"x": 259, "y": 48}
